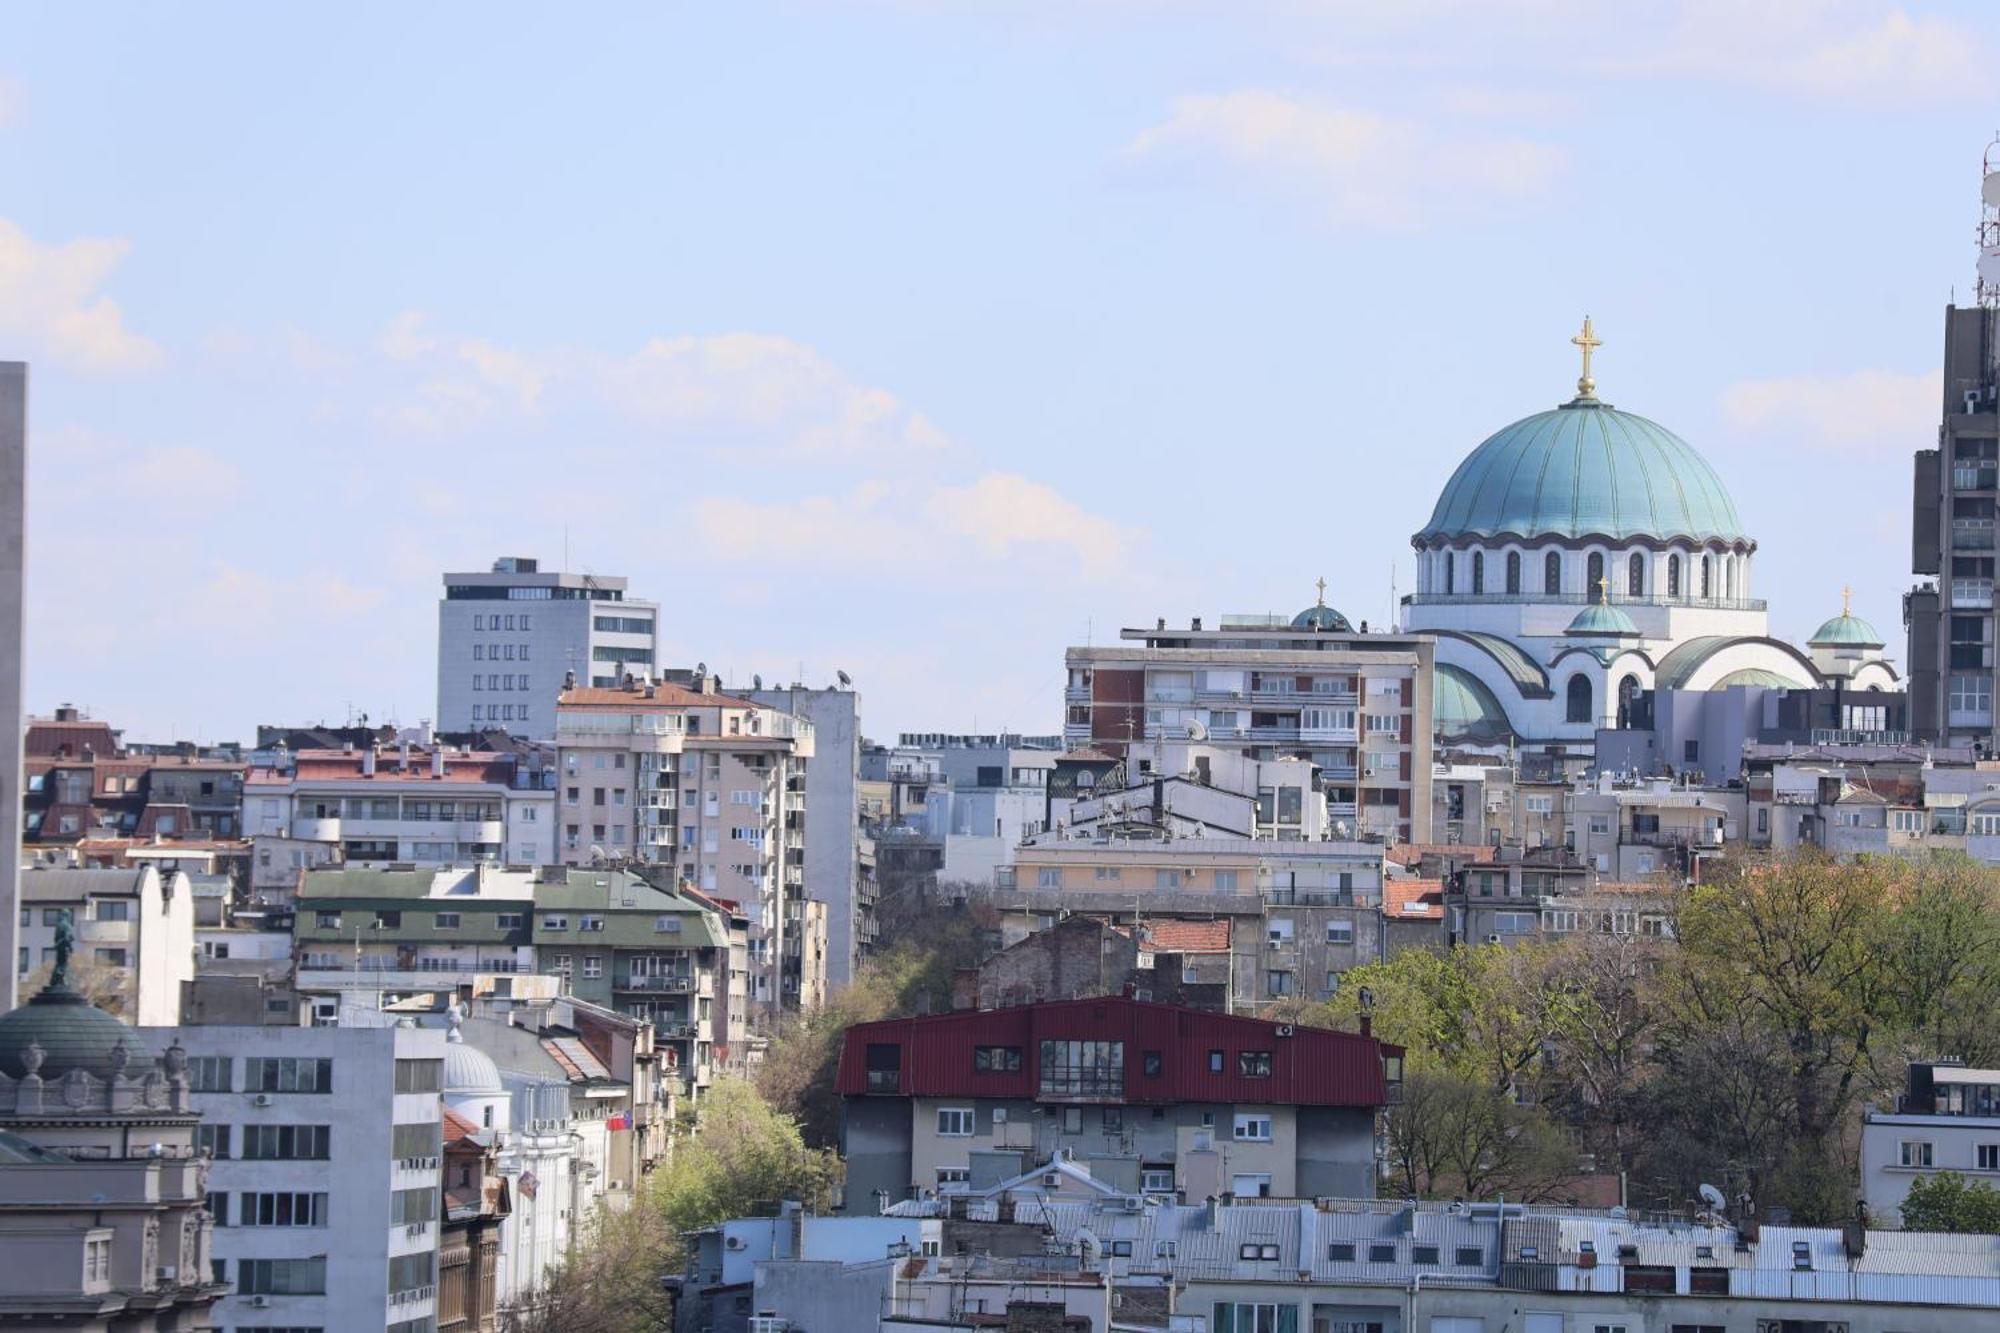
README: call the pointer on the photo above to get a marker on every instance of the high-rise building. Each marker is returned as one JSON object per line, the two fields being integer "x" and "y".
{"x": 1950, "y": 620}
{"x": 506, "y": 638}
{"x": 13, "y": 556}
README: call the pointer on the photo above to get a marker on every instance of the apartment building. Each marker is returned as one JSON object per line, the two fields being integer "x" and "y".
{"x": 1152, "y": 1098}
{"x": 407, "y": 804}
{"x": 1357, "y": 705}
{"x": 668, "y": 956}
{"x": 325, "y": 1172}
{"x": 477, "y": 1203}
{"x": 1947, "y": 1120}
{"x": 81, "y": 781}
{"x": 508, "y": 638}
{"x": 1635, "y": 829}
{"x": 1299, "y": 914}
{"x": 1956, "y": 486}
{"x": 134, "y": 935}
{"x": 711, "y": 785}
{"x": 368, "y": 932}
{"x": 832, "y": 823}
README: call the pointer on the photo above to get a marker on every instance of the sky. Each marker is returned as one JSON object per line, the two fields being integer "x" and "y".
{"x": 922, "y": 338}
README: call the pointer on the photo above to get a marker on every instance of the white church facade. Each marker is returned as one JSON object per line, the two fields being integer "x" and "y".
{"x": 1582, "y": 555}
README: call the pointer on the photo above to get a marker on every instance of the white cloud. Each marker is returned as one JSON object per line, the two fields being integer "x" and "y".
{"x": 766, "y": 393}
{"x": 1840, "y": 51}
{"x": 403, "y": 337}
{"x": 1878, "y": 412}
{"x": 50, "y": 303}
{"x": 1361, "y": 167}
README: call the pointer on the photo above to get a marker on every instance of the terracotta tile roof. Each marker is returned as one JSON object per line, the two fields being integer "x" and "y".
{"x": 457, "y": 1126}
{"x": 1413, "y": 899}
{"x": 1188, "y": 936}
{"x": 1410, "y": 853}
{"x": 342, "y": 766}
{"x": 666, "y": 696}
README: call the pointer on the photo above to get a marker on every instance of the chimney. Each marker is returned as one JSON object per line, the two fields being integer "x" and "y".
{"x": 1196, "y": 626}
{"x": 437, "y": 762}
{"x": 1161, "y": 624}
{"x": 404, "y": 761}
{"x": 368, "y": 761}
{"x": 569, "y": 679}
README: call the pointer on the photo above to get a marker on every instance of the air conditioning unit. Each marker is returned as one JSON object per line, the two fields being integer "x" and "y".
{"x": 1492, "y": 939}
{"x": 1285, "y": 1029}
{"x": 733, "y": 1243}
{"x": 167, "y": 1273}
{"x": 257, "y": 1302}
{"x": 1972, "y": 400}
{"x": 999, "y": 1115}
{"x": 261, "y": 1099}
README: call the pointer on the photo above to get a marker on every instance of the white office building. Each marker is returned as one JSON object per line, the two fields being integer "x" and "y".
{"x": 507, "y": 637}
{"x": 326, "y": 1147}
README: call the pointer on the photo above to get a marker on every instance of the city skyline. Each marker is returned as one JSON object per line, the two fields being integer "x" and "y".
{"x": 891, "y": 338}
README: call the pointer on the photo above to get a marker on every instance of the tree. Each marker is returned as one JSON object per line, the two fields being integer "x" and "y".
{"x": 1947, "y": 1202}
{"x": 1453, "y": 1135}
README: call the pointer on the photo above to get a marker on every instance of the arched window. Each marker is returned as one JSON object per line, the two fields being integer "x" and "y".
{"x": 1479, "y": 571}
{"x": 1513, "y": 572}
{"x": 1595, "y": 583}
{"x": 1705, "y": 594}
{"x": 1579, "y": 699}
{"x": 1673, "y": 576}
{"x": 1635, "y": 575}
{"x": 1728, "y": 577}
{"x": 1552, "y": 572}
{"x": 1450, "y": 572}
{"x": 1628, "y": 699}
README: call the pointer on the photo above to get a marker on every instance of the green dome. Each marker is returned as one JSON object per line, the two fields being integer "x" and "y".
{"x": 1322, "y": 618}
{"x": 1845, "y": 630}
{"x": 73, "y": 1034}
{"x": 1770, "y": 680}
{"x": 1605, "y": 619}
{"x": 1462, "y": 708}
{"x": 1585, "y": 470}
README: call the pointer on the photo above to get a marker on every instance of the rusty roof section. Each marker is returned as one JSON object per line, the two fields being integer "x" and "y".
{"x": 663, "y": 696}
{"x": 1413, "y": 899}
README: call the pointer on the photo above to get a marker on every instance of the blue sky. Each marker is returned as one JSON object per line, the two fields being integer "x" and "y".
{"x": 921, "y": 339}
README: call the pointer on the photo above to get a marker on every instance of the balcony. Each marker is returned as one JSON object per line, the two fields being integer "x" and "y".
{"x": 1339, "y": 773}
{"x": 669, "y": 985}
{"x": 1972, "y": 534}
{"x": 1974, "y": 478}
{"x": 1077, "y": 694}
{"x": 1972, "y": 592}
{"x": 480, "y": 830}
{"x": 316, "y": 828}
{"x": 1579, "y": 599}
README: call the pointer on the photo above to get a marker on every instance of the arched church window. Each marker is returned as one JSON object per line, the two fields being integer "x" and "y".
{"x": 1579, "y": 699}
{"x": 1479, "y": 571}
{"x": 1635, "y": 575}
{"x": 1450, "y": 573}
{"x": 1595, "y": 583}
{"x": 1705, "y": 594}
{"x": 1728, "y": 577}
{"x": 1552, "y": 572}
{"x": 1628, "y": 699}
{"x": 1513, "y": 572}
{"x": 1673, "y": 576}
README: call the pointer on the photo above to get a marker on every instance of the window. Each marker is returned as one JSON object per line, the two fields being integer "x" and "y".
{"x": 1450, "y": 572}
{"x": 1469, "y": 1256}
{"x": 1248, "y": 1317}
{"x": 1424, "y": 1254}
{"x": 508, "y": 920}
{"x": 1340, "y": 1252}
{"x": 593, "y": 967}
{"x": 285, "y": 1143}
{"x": 1157, "y": 1180}
{"x": 1906, "y": 821}
{"x": 1704, "y": 578}
{"x": 953, "y": 1175}
{"x": 1381, "y": 1254}
{"x": 555, "y": 923}
{"x": 284, "y": 1209}
{"x": 1257, "y": 1251}
{"x": 1513, "y": 572}
{"x": 996, "y": 1059}
{"x": 1594, "y": 576}
{"x": 419, "y": 1076}
{"x": 109, "y": 957}
{"x": 447, "y": 921}
{"x": 1150, "y": 1064}
{"x": 1166, "y": 879}
{"x": 389, "y": 920}
{"x": 1552, "y": 572}
{"x": 411, "y": 1271}
{"x": 106, "y": 909}
{"x": 1340, "y": 932}
{"x": 1083, "y": 1068}
{"x": 1225, "y": 881}
{"x": 1253, "y": 1128}
{"x": 1635, "y": 575}
{"x": 1163, "y": 1249}
{"x": 416, "y": 1140}
{"x": 286, "y": 1073}
{"x": 282, "y": 1277}
{"x": 1915, "y": 1154}
{"x": 954, "y": 1122}
{"x": 1215, "y": 1062}
{"x": 1253, "y": 1064}
{"x": 211, "y": 1073}
{"x": 1987, "y": 1156}
{"x": 1673, "y": 576}
{"x": 1578, "y": 702}
{"x": 1479, "y": 571}
{"x": 417, "y": 1205}
{"x": 212, "y": 1141}
{"x": 1278, "y": 984}
{"x": 1048, "y": 877}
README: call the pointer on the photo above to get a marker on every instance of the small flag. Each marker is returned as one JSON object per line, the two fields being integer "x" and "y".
{"x": 623, "y": 1120}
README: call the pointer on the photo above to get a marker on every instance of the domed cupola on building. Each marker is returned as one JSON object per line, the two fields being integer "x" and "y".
{"x": 1321, "y": 618}
{"x": 1583, "y": 554}
{"x": 1848, "y": 648}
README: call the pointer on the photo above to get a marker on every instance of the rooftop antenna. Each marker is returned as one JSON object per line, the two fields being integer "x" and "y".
{"x": 1987, "y": 289}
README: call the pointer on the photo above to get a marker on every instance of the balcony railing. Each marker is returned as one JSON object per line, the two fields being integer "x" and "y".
{"x": 1973, "y": 478}
{"x": 668, "y": 985}
{"x": 1972, "y": 534}
{"x": 1579, "y": 599}
{"x": 1972, "y": 592}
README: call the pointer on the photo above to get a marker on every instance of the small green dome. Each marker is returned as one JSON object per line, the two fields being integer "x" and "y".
{"x": 1585, "y": 470}
{"x": 1601, "y": 618}
{"x": 1322, "y": 618}
{"x": 1845, "y": 630}
{"x": 72, "y": 1032}
{"x": 1770, "y": 680}
{"x": 1463, "y": 709}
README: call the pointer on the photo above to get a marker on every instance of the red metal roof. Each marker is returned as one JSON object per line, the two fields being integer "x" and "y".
{"x": 1309, "y": 1067}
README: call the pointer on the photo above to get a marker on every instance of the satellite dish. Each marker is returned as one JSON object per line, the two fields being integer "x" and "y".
{"x": 756, "y": 682}
{"x": 1197, "y": 731}
{"x": 1989, "y": 265}
{"x": 1989, "y": 190}
{"x": 846, "y": 681}
{"x": 1710, "y": 1195}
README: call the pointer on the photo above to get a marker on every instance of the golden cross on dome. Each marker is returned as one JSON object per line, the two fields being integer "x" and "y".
{"x": 1603, "y": 589}
{"x": 1321, "y": 585}
{"x": 1588, "y": 341}
{"x": 1846, "y": 601}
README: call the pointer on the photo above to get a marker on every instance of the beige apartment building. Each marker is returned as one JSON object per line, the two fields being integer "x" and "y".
{"x": 1356, "y": 704}
{"x": 711, "y": 785}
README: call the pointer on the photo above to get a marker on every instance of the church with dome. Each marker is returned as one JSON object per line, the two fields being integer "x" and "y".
{"x": 1583, "y": 555}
